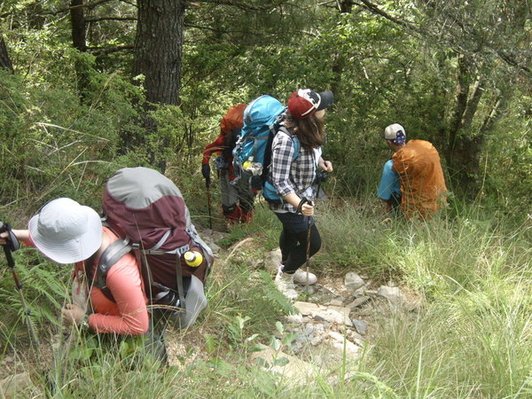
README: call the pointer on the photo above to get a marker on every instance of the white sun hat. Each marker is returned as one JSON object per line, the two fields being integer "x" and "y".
{"x": 66, "y": 231}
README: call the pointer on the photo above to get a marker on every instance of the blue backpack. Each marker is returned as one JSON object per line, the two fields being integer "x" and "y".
{"x": 252, "y": 153}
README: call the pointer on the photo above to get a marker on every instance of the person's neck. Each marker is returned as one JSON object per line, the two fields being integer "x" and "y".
{"x": 106, "y": 241}
{"x": 397, "y": 147}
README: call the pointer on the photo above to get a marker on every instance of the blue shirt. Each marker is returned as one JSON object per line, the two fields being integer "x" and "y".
{"x": 389, "y": 183}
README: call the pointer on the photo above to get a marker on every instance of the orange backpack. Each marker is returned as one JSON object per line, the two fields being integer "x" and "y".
{"x": 422, "y": 181}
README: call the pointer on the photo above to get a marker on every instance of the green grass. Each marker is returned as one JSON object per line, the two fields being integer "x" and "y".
{"x": 469, "y": 339}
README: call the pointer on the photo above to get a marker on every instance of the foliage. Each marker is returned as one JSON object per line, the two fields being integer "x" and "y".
{"x": 33, "y": 306}
{"x": 400, "y": 61}
{"x": 52, "y": 145}
{"x": 468, "y": 343}
{"x": 233, "y": 296}
{"x": 381, "y": 69}
{"x": 469, "y": 337}
{"x": 507, "y": 162}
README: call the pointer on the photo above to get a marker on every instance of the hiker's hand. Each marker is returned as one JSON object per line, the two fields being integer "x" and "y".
{"x": 20, "y": 235}
{"x": 307, "y": 209}
{"x": 3, "y": 238}
{"x": 206, "y": 172}
{"x": 327, "y": 166}
{"x": 72, "y": 314}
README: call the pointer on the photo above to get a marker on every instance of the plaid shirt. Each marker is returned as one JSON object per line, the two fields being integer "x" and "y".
{"x": 292, "y": 176}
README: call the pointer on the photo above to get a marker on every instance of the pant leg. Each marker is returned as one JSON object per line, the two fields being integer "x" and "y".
{"x": 155, "y": 341}
{"x": 293, "y": 240}
{"x": 246, "y": 196}
{"x": 285, "y": 244}
{"x": 228, "y": 191}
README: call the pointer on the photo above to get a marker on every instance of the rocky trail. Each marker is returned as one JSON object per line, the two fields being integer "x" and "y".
{"x": 334, "y": 323}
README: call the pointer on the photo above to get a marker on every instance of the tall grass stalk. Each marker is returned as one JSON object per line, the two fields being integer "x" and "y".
{"x": 469, "y": 339}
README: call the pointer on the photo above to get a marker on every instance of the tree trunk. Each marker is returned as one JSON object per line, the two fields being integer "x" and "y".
{"x": 337, "y": 69}
{"x": 158, "y": 48}
{"x": 5, "y": 61}
{"x": 468, "y": 149}
{"x": 466, "y": 158}
{"x": 496, "y": 112}
{"x": 79, "y": 41}
{"x": 77, "y": 18}
{"x": 472, "y": 105}
{"x": 345, "y": 6}
{"x": 462, "y": 92}
{"x": 465, "y": 145}
{"x": 464, "y": 149}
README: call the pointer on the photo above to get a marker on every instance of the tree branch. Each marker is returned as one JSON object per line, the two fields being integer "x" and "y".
{"x": 109, "y": 50}
{"x": 373, "y": 8}
{"x": 243, "y": 5}
{"x": 94, "y": 19}
{"x": 69, "y": 8}
{"x": 132, "y": 4}
{"x": 507, "y": 58}
{"x": 510, "y": 60}
{"x": 94, "y": 4}
{"x": 504, "y": 56}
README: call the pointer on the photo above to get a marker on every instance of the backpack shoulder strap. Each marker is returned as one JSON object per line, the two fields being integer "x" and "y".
{"x": 295, "y": 140}
{"x": 268, "y": 190}
{"x": 109, "y": 257}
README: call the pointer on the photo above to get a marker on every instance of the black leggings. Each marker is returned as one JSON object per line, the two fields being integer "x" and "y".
{"x": 293, "y": 240}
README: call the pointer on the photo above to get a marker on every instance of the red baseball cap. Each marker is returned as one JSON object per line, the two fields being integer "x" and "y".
{"x": 305, "y": 102}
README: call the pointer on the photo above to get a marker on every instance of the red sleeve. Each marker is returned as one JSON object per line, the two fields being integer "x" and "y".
{"x": 216, "y": 146}
{"x": 28, "y": 243}
{"x": 125, "y": 284}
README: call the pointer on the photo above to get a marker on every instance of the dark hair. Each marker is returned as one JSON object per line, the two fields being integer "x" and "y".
{"x": 310, "y": 130}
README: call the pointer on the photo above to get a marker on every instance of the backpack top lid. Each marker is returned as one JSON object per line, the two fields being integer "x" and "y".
{"x": 264, "y": 110}
{"x": 143, "y": 204}
{"x": 139, "y": 187}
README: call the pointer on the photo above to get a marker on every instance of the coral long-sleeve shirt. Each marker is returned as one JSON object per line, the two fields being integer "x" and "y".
{"x": 128, "y": 314}
{"x": 217, "y": 146}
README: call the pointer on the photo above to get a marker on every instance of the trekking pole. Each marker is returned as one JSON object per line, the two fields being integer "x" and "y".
{"x": 307, "y": 261}
{"x": 10, "y": 246}
{"x": 208, "y": 187}
{"x": 321, "y": 177}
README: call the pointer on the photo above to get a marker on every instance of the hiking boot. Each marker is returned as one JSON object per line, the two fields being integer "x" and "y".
{"x": 246, "y": 216}
{"x": 285, "y": 284}
{"x": 232, "y": 214}
{"x": 300, "y": 277}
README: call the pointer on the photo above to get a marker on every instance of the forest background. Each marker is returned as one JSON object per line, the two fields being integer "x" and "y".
{"x": 87, "y": 87}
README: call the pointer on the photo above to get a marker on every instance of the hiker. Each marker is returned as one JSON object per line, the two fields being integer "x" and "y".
{"x": 294, "y": 178}
{"x": 237, "y": 198}
{"x": 412, "y": 180}
{"x": 67, "y": 232}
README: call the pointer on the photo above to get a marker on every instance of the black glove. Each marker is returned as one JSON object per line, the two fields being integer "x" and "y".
{"x": 206, "y": 172}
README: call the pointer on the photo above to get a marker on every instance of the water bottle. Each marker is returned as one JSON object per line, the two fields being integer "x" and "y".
{"x": 193, "y": 258}
{"x": 248, "y": 164}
